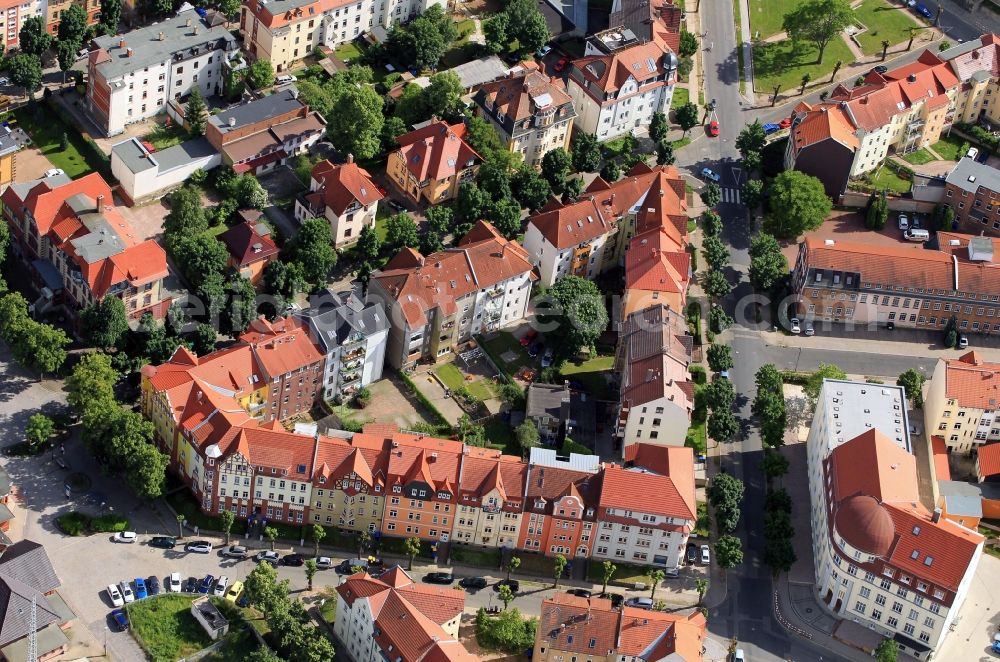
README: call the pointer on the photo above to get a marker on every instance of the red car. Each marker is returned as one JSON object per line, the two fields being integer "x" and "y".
{"x": 785, "y": 123}
{"x": 561, "y": 64}
{"x": 713, "y": 128}
{"x": 528, "y": 337}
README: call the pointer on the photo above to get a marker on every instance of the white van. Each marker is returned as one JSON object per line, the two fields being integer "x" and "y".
{"x": 917, "y": 234}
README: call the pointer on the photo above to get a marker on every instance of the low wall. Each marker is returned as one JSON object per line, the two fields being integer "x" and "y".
{"x": 860, "y": 200}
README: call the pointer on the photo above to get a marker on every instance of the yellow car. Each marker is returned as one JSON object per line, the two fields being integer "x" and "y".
{"x": 234, "y": 591}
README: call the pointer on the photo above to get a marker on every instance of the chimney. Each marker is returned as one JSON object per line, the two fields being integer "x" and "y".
{"x": 129, "y": 52}
{"x": 162, "y": 38}
{"x": 100, "y": 203}
{"x": 188, "y": 23}
{"x": 121, "y": 43}
{"x": 196, "y": 29}
{"x": 936, "y": 517}
{"x": 912, "y": 78}
{"x": 232, "y": 121}
{"x": 350, "y": 158}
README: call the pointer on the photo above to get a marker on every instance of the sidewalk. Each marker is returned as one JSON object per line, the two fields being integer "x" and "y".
{"x": 898, "y": 342}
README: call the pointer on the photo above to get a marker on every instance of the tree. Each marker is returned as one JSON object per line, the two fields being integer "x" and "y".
{"x": 611, "y": 172}
{"x": 607, "y": 572}
{"x": 512, "y": 564}
{"x": 364, "y": 542}
{"x": 401, "y": 232}
{"x": 558, "y": 567}
{"x": 226, "y": 519}
{"x": 187, "y": 213}
{"x": 722, "y": 425}
{"x": 228, "y": 8}
{"x": 38, "y": 430}
{"x": 469, "y": 433}
{"x": 720, "y": 357}
{"x": 578, "y": 315}
{"x": 658, "y": 125}
{"x": 778, "y": 524}
{"x": 356, "y": 120}
{"x": 369, "y": 245}
{"x": 729, "y": 552}
{"x": 34, "y": 39}
{"x": 200, "y": 257}
{"x": 715, "y": 285}
{"x": 495, "y": 31}
{"x": 886, "y": 651}
{"x": 774, "y": 96}
{"x": 263, "y": 590}
{"x": 752, "y": 191}
{"x": 655, "y": 577}
{"x": 530, "y": 189}
{"x": 815, "y": 382}
{"x": 686, "y": 116}
{"x": 271, "y": 534}
{"x": 586, "y": 152}
{"x": 411, "y": 547}
{"x": 806, "y": 77}
{"x": 506, "y": 595}
{"x": 751, "y": 161}
{"x": 799, "y": 204}
{"x": 819, "y": 22}
{"x": 443, "y": 96}
{"x": 913, "y": 383}
{"x": 716, "y": 253}
{"x": 885, "y": 49}
{"x": 751, "y": 138}
{"x": 26, "y": 71}
{"x": 494, "y": 178}
{"x": 260, "y": 74}
{"x": 196, "y": 115}
{"x": 778, "y": 499}
{"x": 250, "y": 193}
{"x": 311, "y": 249}
{"x": 527, "y": 25}
{"x": 318, "y": 533}
{"x": 73, "y": 26}
{"x": 711, "y": 195}
{"x": 720, "y": 394}
{"x": 878, "y": 211}
{"x": 527, "y": 437}
{"x": 482, "y": 137}
{"x": 93, "y": 380}
{"x": 310, "y": 570}
{"x": 779, "y": 554}
{"x": 471, "y": 205}
{"x": 555, "y": 167}
{"x": 768, "y": 266}
{"x": 725, "y": 489}
{"x": 423, "y": 42}
{"x": 204, "y": 339}
{"x": 105, "y": 323}
{"x": 506, "y": 215}
{"x": 718, "y": 320}
{"x": 711, "y": 223}
{"x": 572, "y": 190}
{"x": 688, "y": 44}
{"x": 951, "y": 332}
{"x": 665, "y": 153}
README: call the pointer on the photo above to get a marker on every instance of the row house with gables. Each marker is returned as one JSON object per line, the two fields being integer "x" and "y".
{"x": 349, "y": 487}
{"x": 490, "y": 498}
{"x": 422, "y": 486}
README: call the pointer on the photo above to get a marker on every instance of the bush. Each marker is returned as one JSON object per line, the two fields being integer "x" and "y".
{"x": 73, "y": 524}
{"x": 507, "y": 632}
{"x": 570, "y": 446}
{"x": 108, "y": 524}
{"x": 698, "y": 375}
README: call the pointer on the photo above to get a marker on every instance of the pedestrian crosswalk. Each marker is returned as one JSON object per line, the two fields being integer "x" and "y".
{"x": 731, "y": 195}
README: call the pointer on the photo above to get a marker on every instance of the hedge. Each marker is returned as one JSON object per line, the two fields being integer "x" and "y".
{"x": 95, "y": 156}
{"x": 793, "y": 377}
{"x": 78, "y": 524}
{"x": 436, "y": 414}
{"x": 698, "y": 374}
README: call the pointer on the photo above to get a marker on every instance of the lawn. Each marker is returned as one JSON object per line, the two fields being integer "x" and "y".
{"x": 503, "y": 342}
{"x": 884, "y": 22}
{"x": 681, "y": 97}
{"x": 626, "y": 574}
{"x": 884, "y": 178}
{"x": 465, "y": 29}
{"x": 783, "y": 64}
{"x": 454, "y": 379}
{"x": 950, "y": 147}
{"x": 347, "y": 52}
{"x": 165, "y": 628}
{"x": 501, "y": 437}
{"x": 766, "y": 16}
{"x": 164, "y": 136}
{"x": 919, "y": 157}
{"x": 591, "y": 373}
{"x": 46, "y": 131}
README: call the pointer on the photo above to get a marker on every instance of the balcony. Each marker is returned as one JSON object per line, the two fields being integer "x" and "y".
{"x": 351, "y": 365}
{"x": 349, "y": 377}
{"x": 495, "y": 292}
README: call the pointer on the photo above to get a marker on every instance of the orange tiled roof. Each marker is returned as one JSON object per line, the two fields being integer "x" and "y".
{"x": 973, "y": 382}
{"x": 281, "y": 346}
{"x": 571, "y": 224}
{"x": 942, "y": 471}
{"x": 988, "y": 460}
{"x": 436, "y": 151}
{"x": 653, "y": 262}
{"x": 517, "y": 95}
{"x": 634, "y": 489}
{"x": 826, "y": 121}
{"x": 608, "y": 73}
{"x": 343, "y": 185}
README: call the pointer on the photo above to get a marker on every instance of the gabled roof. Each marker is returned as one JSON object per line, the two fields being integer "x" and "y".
{"x": 646, "y": 492}
{"x": 975, "y": 57}
{"x": 988, "y": 460}
{"x": 343, "y": 185}
{"x": 571, "y": 224}
{"x": 973, "y": 382}
{"x": 657, "y": 350}
{"x": 27, "y": 562}
{"x": 523, "y": 94}
{"x": 281, "y": 346}
{"x": 827, "y": 121}
{"x": 249, "y": 242}
{"x": 436, "y": 151}
{"x": 608, "y": 73}
{"x": 654, "y": 262}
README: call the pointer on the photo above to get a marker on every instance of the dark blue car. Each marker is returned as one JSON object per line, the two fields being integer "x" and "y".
{"x": 923, "y": 11}
{"x": 120, "y": 619}
{"x": 206, "y": 584}
{"x": 770, "y": 128}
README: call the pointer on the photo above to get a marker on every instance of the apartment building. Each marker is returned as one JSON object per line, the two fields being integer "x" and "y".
{"x": 78, "y": 245}
{"x": 657, "y": 394}
{"x": 591, "y": 235}
{"x": 432, "y": 162}
{"x": 16, "y": 12}
{"x": 646, "y": 516}
{"x": 285, "y": 31}
{"x": 134, "y": 76}
{"x": 349, "y": 486}
{"x": 882, "y": 559}
{"x": 620, "y": 82}
{"x": 344, "y": 195}
{"x": 645, "y": 18}
{"x": 54, "y": 10}
{"x": 857, "y": 283}
{"x": 657, "y": 270}
{"x": 250, "y": 246}
{"x": 292, "y": 363}
{"x": 972, "y": 191}
{"x": 261, "y": 135}
{"x": 531, "y": 112}
{"x": 591, "y": 629}
{"x": 352, "y": 334}
{"x": 10, "y": 144}
{"x": 961, "y": 402}
{"x": 547, "y": 406}
{"x": 490, "y": 499}
{"x": 394, "y": 618}
{"x": 976, "y": 63}
{"x": 436, "y": 303}
{"x": 822, "y": 143}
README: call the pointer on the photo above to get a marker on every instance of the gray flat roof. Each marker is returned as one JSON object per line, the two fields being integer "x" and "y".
{"x": 546, "y": 399}
{"x": 969, "y": 175}
{"x": 968, "y": 506}
{"x": 138, "y": 159}
{"x": 100, "y": 243}
{"x": 180, "y": 42}
{"x": 853, "y": 408}
{"x": 478, "y": 72}
{"x": 952, "y": 488}
{"x": 257, "y": 111}
{"x": 133, "y": 155}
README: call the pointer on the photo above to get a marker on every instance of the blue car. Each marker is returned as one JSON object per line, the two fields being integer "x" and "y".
{"x": 771, "y": 128}
{"x": 923, "y": 11}
{"x": 120, "y": 619}
{"x": 206, "y": 584}
{"x": 140, "y": 588}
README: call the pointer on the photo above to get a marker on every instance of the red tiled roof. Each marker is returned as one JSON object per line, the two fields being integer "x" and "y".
{"x": 653, "y": 262}
{"x": 571, "y": 224}
{"x": 281, "y": 346}
{"x": 343, "y": 185}
{"x": 633, "y": 489}
{"x": 973, "y": 382}
{"x": 247, "y": 245}
{"x": 944, "y": 549}
{"x": 826, "y": 121}
{"x": 988, "y": 463}
{"x": 942, "y": 471}
{"x": 608, "y": 73}
{"x": 517, "y": 96}
{"x": 436, "y": 151}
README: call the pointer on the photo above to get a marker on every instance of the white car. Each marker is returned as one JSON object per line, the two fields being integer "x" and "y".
{"x": 124, "y": 536}
{"x": 4, "y": 80}
{"x": 547, "y": 358}
{"x": 739, "y": 655}
{"x": 116, "y": 596}
{"x": 285, "y": 79}
{"x": 972, "y": 153}
{"x": 54, "y": 172}
{"x": 174, "y": 585}
{"x": 706, "y": 555}
{"x": 796, "y": 328}
{"x": 269, "y": 556}
{"x": 324, "y": 562}
{"x": 810, "y": 331}
{"x": 127, "y": 593}
{"x": 543, "y": 51}
{"x": 221, "y": 586}
{"x": 904, "y": 222}
{"x": 708, "y": 173}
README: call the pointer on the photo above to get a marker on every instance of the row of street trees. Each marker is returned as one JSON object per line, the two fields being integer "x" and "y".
{"x": 725, "y": 493}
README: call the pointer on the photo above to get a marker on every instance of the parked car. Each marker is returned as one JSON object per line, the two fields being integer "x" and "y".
{"x": 713, "y": 128}
{"x": 547, "y": 358}
{"x": 127, "y": 594}
{"x": 770, "y": 128}
{"x": 672, "y": 573}
{"x": 809, "y": 331}
{"x": 972, "y": 153}
{"x": 881, "y": 69}
{"x": 115, "y": 596}
{"x": 529, "y": 337}
{"x": 140, "y": 588}
{"x": 235, "y": 552}
{"x": 543, "y": 51}
{"x": 708, "y": 173}
{"x": 284, "y": 79}
{"x": 351, "y": 566}
{"x": 794, "y": 325}
{"x": 163, "y": 542}
{"x": 916, "y": 234}
{"x": 963, "y": 341}
{"x": 125, "y": 536}
{"x": 120, "y": 619}
{"x": 233, "y": 593}
{"x": 174, "y": 585}
{"x": 580, "y": 592}
{"x": 706, "y": 555}
{"x": 639, "y": 603}
{"x": 220, "y": 586}
{"x": 439, "y": 578}
{"x": 739, "y": 655}
{"x": 473, "y": 583}
{"x": 269, "y": 556}
{"x": 785, "y": 123}
{"x": 191, "y": 585}
{"x": 205, "y": 584}
{"x": 561, "y": 64}
{"x": 293, "y": 560}
{"x": 904, "y": 222}
{"x": 617, "y": 600}
{"x": 514, "y": 585}
{"x": 198, "y": 547}
{"x": 535, "y": 348}
{"x": 324, "y": 562}
{"x": 153, "y": 584}
{"x": 54, "y": 171}
{"x": 692, "y": 553}
{"x": 923, "y": 11}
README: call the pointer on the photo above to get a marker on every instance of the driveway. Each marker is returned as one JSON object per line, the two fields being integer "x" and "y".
{"x": 979, "y": 618}
{"x": 30, "y": 164}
